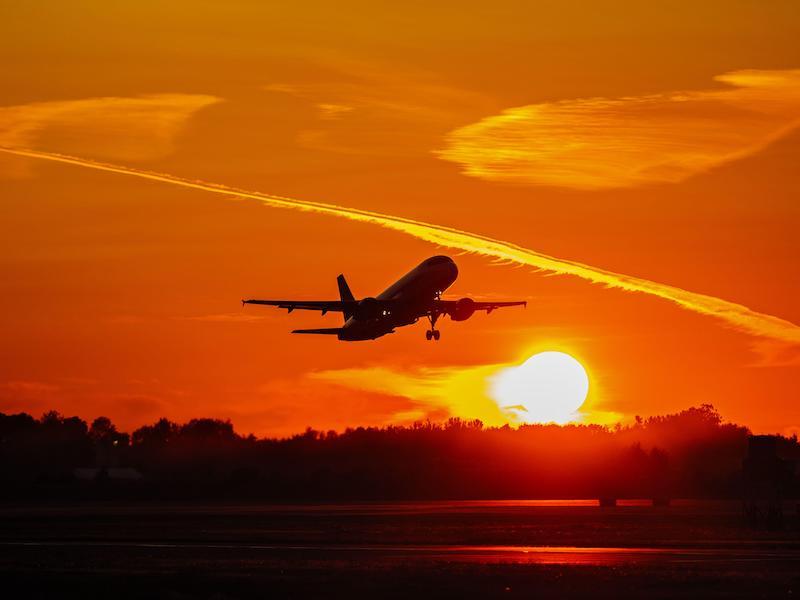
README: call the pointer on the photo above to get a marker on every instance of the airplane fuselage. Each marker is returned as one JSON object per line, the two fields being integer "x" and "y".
{"x": 406, "y": 299}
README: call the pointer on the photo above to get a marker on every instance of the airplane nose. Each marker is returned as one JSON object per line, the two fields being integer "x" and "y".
{"x": 452, "y": 270}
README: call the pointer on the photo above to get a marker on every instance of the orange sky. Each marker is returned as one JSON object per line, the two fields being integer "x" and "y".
{"x": 656, "y": 142}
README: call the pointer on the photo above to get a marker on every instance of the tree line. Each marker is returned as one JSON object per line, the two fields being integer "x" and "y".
{"x": 692, "y": 453}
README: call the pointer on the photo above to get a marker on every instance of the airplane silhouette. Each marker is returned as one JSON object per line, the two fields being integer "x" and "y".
{"x": 416, "y": 294}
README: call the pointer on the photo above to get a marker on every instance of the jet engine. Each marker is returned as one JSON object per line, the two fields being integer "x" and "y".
{"x": 463, "y": 310}
{"x": 368, "y": 308}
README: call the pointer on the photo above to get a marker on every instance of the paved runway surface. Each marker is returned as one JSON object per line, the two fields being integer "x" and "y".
{"x": 445, "y": 549}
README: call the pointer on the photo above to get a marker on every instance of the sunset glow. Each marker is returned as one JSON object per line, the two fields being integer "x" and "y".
{"x": 366, "y": 300}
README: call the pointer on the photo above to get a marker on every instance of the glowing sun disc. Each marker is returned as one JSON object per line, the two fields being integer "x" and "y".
{"x": 549, "y": 387}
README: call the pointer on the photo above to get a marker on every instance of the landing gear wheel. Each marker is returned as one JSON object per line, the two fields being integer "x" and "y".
{"x": 432, "y": 333}
{"x": 436, "y": 335}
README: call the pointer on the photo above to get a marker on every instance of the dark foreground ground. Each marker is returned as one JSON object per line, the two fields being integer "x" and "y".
{"x": 395, "y": 550}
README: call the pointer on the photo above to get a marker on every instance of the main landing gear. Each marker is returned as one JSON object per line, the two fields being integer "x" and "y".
{"x": 433, "y": 333}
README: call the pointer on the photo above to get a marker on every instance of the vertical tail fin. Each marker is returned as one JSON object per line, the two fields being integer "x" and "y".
{"x": 345, "y": 295}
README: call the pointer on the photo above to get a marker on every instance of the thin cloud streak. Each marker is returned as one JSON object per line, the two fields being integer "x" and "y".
{"x": 227, "y": 318}
{"x": 734, "y": 315}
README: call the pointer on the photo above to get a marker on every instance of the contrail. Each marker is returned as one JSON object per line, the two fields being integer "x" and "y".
{"x": 735, "y": 315}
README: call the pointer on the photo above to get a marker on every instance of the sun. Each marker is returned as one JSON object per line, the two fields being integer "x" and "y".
{"x": 549, "y": 387}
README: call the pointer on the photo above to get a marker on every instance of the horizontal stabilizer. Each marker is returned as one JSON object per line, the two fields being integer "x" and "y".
{"x": 329, "y": 331}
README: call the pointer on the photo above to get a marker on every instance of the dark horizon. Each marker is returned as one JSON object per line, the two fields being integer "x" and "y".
{"x": 688, "y": 454}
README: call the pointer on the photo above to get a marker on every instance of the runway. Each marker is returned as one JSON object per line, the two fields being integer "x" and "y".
{"x": 558, "y": 548}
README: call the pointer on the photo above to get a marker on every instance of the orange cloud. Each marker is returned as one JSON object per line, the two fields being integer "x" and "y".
{"x": 464, "y": 391}
{"x": 461, "y": 391}
{"x": 734, "y": 315}
{"x": 139, "y": 128}
{"x": 600, "y": 143}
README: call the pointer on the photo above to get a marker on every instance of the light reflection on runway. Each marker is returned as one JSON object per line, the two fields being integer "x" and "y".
{"x": 544, "y": 555}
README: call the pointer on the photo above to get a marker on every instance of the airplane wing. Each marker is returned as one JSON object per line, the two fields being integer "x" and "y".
{"x": 453, "y": 307}
{"x": 320, "y": 305}
{"x": 324, "y": 331}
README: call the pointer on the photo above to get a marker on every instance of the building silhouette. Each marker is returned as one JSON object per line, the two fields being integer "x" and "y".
{"x": 767, "y": 480}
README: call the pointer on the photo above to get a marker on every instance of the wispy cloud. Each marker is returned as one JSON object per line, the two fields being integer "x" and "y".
{"x": 29, "y": 396}
{"x": 464, "y": 391}
{"x": 137, "y": 128}
{"x": 599, "y": 143}
{"x": 227, "y": 318}
{"x": 364, "y": 108}
{"x": 370, "y": 91}
{"x": 286, "y": 408}
{"x": 734, "y": 315}
{"x": 453, "y": 390}
{"x": 33, "y": 387}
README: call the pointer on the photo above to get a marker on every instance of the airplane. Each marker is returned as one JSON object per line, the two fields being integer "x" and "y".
{"x": 416, "y": 294}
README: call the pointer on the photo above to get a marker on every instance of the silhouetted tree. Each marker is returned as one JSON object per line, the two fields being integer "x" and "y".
{"x": 690, "y": 453}
{"x": 162, "y": 432}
